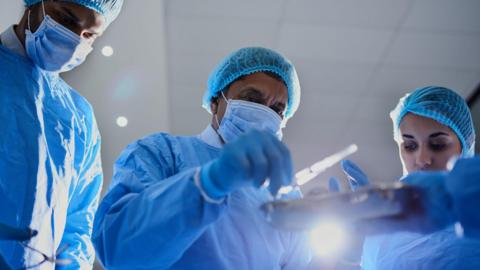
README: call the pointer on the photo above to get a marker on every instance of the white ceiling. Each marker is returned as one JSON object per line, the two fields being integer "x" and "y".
{"x": 355, "y": 59}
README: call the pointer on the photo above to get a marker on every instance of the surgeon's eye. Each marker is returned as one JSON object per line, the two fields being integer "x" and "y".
{"x": 278, "y": 109}
{"x": 254, "y": 99}
{"x": 410, "y": 146}
{"x": 437, "y": 147}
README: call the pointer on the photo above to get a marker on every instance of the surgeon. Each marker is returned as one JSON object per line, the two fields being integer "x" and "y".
{"x": 432, "y": 125}
{"x": 192, "y": 202}
{"x": 50, "y": 171}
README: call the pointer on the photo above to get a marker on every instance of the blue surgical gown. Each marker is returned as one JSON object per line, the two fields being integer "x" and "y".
{"x": 50, "y": 170}
{"x": 405, "y": 250}
{"x": 154, "y": 216}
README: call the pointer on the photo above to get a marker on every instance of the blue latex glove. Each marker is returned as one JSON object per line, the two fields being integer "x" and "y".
{"x": 356, "y": 177}
{"x": 334, "y": 184}
{"x": 463, "y": 183}
{"x": 433, "y": 211}
{"x": 249, "y": 161}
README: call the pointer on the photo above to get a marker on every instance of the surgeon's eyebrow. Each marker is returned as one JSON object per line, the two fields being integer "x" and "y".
{"x": 252, "y": 92}
{"x": 438, "y": 134}
{"x": 71, "y": 15}
{"x": 408, "y": 136}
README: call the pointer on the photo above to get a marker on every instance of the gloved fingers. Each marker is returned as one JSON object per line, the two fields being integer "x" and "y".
{"x": 259, "y": 164}
{"x": 286, "y": 158}
{"x": 233, "y": 167}
{"x": 357, "y": 178}
{"x": 273, "y": 154}
{"x": 334, "y": 184}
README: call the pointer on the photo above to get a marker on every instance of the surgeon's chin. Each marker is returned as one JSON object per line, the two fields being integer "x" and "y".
{"x": 426, "y": 169}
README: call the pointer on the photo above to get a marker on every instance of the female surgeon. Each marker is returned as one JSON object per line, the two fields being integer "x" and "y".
{"x": 431, "y": 126}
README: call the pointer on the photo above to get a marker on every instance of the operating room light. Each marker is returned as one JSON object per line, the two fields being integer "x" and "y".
{"x": 122, "y": 121}
{"x": 328, "y": 238}
{"x": 107, "y": 51}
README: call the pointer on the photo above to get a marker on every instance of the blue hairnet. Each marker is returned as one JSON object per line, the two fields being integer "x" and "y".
{"x": 250, "y": 60}
{"x": 108, "y": 8}
{"x": 442, "y": 105}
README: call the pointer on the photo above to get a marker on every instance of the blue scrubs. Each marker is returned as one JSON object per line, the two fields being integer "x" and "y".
{"x": 50, "y": 170}
{"x": 439, "y": 250}
{"x": 154, "y": 216}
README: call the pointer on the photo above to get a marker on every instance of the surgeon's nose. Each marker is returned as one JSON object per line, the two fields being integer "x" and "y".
{"x": 423, "y": 159}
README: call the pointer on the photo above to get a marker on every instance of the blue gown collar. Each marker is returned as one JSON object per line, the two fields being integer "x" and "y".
{"x": 10, "y": 41}
{"x": 210, "y": 137}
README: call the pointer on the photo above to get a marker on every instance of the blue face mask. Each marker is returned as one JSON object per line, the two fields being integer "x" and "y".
{"x": 242, "y": 116}
{"x": 55, "y": 48}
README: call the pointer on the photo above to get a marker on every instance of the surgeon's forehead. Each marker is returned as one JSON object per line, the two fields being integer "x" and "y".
{"x": 416, "y": 124}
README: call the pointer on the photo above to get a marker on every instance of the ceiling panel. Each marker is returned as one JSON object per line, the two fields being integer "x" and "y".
{"x": 398, "y": 80}
{"x": 445, "y": 16}
{"x": 186, "y": 112}
{"x": 247, "y": 9}
{"x": 434, "y": 50}
{"x": 340, "y": 44}
{"x": 321, "y": 77}
{"x": 192, "y": 68}
{"x": 379, "y": 14}
{"x": 217, "y": 35}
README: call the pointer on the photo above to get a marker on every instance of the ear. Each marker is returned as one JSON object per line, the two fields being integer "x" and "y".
{"x": 214, "y": 105}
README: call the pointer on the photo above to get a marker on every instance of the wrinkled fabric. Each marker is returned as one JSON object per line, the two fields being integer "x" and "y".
{"x": 243, "y": 116}
{"x": 439, "y": 250}
{"x": 50, "y": 169}
{"x": 250, "y": 60}
{"x": 442, "y": 105}
{"x": 463, "y": 183}
{"x": 154, "y": 216}
{"x": 108, "y": 8}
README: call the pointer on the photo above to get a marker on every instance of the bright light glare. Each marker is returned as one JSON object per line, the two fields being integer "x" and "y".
{"x": 107, "y": 51}
{"x": 122, "y": 121}
{"x": 328, "y": 238}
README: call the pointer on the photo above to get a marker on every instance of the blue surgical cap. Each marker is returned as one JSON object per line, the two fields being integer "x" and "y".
{"x": 108, "y": 8}
{"x": 250, "y": 60}
{"x": 442, "y": 105}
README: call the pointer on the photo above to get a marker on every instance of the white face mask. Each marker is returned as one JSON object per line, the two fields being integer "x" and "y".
{"x": 53, "y": 47}
{"x": 242, "y": 116}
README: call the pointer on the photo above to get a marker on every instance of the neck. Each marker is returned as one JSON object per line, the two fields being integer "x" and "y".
{"x": 21, "y": 27}
{"x": 215, "y": 127}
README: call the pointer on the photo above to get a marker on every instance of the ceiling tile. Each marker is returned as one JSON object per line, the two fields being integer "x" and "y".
{"x": 393, "y": 81}
{"x": 380, "y": 14}
{"x": 246, "y": 9}
{"x": 435, "y": 50}
{"x": 445, "y": 15}
{"x": 220, "y": 36}
{"x": 191, "y": 68}
{"x": 321, "y": 77}
{"x": 186, "y": 113}
{"x": 333, "y": 43}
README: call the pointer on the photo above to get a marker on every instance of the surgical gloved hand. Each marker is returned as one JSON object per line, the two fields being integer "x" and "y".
{"x": 334, "y": 185}
{"x": 356, "y": 177}
{"x": 433, "y": 210}
{"x": 249, "y": 161}
{"x": 463, "y": 183}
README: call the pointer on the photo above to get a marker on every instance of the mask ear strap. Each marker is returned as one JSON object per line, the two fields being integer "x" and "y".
{"x": 43, "y": 8}
{"x": 29, "y": 11}
{"x": 28, "y": 21}
{"x": 218, "y": 127}
{"x": 216, "y": 120}
{"x": 225, "y": 98}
